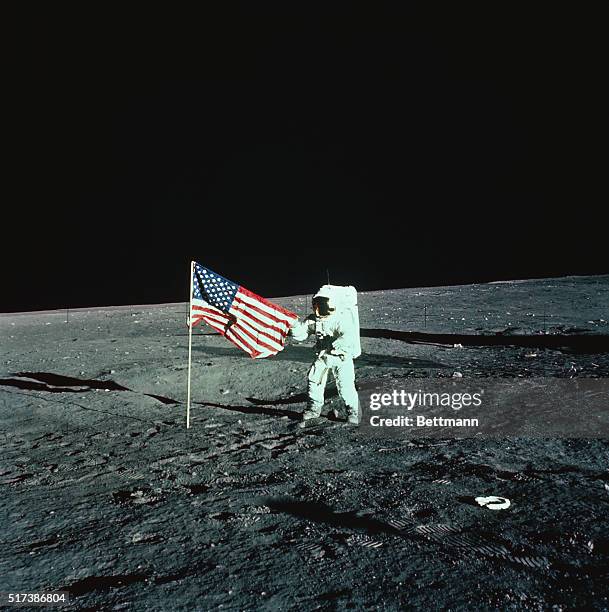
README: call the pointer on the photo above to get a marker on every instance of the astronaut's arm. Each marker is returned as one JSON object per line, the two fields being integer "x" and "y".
{"x": 301, "y": 330}
{"x": 343, "y": 344}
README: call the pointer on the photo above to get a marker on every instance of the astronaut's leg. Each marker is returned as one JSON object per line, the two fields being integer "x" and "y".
{"x": 344, "y": 373}
{"x": 318, "y": 375}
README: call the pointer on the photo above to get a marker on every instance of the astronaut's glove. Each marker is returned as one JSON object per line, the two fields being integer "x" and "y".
{"x": 292, "y": 324}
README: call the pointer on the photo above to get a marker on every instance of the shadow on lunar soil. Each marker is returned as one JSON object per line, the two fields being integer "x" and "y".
{"x": 321, "y": 513}
{"x": 451, "y": 539}
{"x": 391, "y": 361}
{"x": 59, "y": 380}
{"x": 57, "y": 383}
{"x": 254, "y": 409}
{"x": 106, "y": 583}
{"x": 103, "y": 583}
{"x": 305, "y": 354}
{"x": 299, "y": 398}
{"x": 584, "y": 344}
{"x": 290, "y": 353}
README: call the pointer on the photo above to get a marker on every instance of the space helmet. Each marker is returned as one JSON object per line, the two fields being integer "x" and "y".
{"x": 322, "y": 302}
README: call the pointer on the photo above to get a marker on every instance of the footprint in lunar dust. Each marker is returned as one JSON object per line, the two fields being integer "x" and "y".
{"x": 363, "y": 540}
{"x": 449, "y": 536}
{"x": 401, "y": 524}
{"x": 312, "y": 549}
{"x": 454, "y": 537}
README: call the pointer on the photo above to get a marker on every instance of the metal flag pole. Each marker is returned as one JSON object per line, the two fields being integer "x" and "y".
{"x": 192, "y": 264}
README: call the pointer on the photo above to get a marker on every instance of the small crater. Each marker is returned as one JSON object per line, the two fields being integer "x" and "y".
{"x": 197, "y": 489}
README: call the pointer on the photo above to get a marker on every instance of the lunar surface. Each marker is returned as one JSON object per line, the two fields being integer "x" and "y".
{"x": 105, "y": 494}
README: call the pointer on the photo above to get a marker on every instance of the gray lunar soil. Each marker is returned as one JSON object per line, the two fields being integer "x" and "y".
{"x": 105, "y": 494}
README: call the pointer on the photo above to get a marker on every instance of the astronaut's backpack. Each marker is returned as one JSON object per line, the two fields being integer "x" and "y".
{"x": 344, "y": 299}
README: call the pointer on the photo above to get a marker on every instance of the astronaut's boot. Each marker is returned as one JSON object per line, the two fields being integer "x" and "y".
{"x": 309, "y": 417}
{"x": 352, "y": 416}
{"x": 352, "y": 411}
{"x": 312, "y": 411}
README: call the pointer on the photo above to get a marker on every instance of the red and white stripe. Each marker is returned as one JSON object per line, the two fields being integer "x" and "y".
{"x": 258, "y": 326}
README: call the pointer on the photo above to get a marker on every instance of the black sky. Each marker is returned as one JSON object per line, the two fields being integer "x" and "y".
{"x": 395, "y": 149}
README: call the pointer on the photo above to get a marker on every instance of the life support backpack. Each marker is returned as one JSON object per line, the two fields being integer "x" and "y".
{"x": 344, "y": 300}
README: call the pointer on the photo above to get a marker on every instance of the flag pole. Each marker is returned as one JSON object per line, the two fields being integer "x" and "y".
{"x": 192, "y": 263}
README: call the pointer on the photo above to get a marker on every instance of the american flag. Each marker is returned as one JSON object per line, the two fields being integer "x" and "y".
{"x": 249, "y": 321}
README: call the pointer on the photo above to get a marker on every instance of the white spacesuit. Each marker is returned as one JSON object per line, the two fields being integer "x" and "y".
{"x": 335, "y": 324}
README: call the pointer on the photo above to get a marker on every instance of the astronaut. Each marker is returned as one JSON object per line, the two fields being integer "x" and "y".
{"x": 336, "y": 330}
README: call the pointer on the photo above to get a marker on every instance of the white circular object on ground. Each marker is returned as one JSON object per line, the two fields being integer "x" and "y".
{"x": 493, "y": 502}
